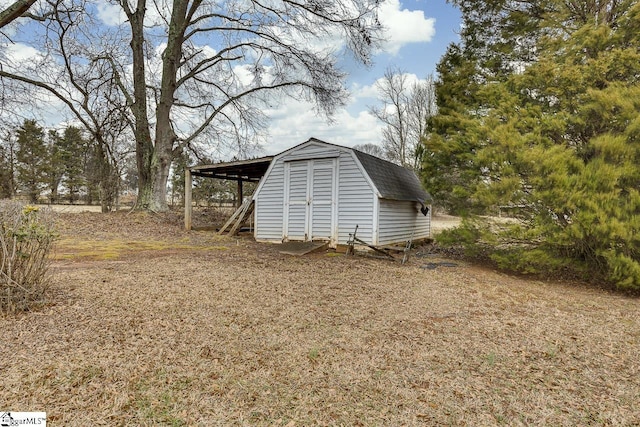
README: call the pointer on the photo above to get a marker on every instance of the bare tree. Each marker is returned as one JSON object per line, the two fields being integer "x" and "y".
{"x": 422, "y": 106}
{"x": 82, "y": 77}
{"x": 373, "y": 149}
{"x": 404, "y": 111}
{"x": 201, "y": 71}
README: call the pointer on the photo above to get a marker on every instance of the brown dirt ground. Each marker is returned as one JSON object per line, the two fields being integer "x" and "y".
{"x": 151, "y": 325}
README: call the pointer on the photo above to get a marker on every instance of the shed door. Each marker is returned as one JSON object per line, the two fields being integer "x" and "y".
{"x": 296, "y": 220}
{"x": 309, "y": 196}
{"x": 322, "y": 199}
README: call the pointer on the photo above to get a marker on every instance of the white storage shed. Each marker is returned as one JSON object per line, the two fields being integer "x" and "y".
{"x": 321, "y": 191}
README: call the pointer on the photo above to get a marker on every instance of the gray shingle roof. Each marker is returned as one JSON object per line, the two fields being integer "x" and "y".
{"x": 392, "y": 181}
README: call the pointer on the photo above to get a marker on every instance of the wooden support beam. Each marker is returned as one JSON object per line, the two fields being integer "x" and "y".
{"x": 240, "y": 196}
{"x": 188, "y": 209}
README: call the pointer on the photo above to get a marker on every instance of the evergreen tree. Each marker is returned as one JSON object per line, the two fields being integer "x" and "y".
{"x": 498, "y": 38}
{"x": 7, "y": 162}
{"x": 92, "y": 167}
{"x": 558, "y": 138}
{"x": 74, "y": 151}
{"x": 32, "y": 159}
{"x": 130, "y": 175}
{"x": 55, "y": 169}
{"x": 180, "y": 163}
{"x": 448, "y": 158}
{"x": 103, "y": 179}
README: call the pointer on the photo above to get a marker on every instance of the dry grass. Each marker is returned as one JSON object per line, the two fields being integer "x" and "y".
{"x": 177, "y": 335}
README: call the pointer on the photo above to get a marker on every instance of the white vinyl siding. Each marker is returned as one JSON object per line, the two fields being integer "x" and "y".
{"x": 269, "y": 203}
{"x": 309, "y": 199}
{"x": 311, "y": 151}
{"x": 321, "y": 191}
{"x": 355, "y": 202}
{"x": 398, "y": 221}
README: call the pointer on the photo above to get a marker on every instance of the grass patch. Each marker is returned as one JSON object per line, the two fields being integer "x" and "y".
{"x": 334, "y": 254}
{"x": 313, "y": 355}
{"x": 104, "y": 250}
{"x": 157, "y": 402}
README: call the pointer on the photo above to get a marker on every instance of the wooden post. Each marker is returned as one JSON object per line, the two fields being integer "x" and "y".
{"x": 187, "y": 199}
{"x": 240, "y": 197}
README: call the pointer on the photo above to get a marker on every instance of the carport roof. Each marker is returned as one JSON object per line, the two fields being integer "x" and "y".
{"x": 242, "y": 170}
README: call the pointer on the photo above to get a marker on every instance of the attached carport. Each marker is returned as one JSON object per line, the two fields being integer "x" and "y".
{"x": 240, "y": 171}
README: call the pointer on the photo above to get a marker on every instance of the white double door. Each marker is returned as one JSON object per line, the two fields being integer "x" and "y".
{"x": 309, "y": 199}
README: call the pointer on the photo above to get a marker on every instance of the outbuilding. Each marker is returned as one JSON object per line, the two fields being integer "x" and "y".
{"x": 320, "y": 191}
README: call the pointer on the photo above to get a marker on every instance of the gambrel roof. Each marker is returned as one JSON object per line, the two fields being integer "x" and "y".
{"x": 392, "y": 181}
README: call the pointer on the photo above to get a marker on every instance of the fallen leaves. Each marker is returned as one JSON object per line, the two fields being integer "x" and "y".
{"x": 178, "y": 335}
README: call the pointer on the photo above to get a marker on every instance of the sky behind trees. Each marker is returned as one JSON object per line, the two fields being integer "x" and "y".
{"x": 420, "y": 32}
{"x": 417, "y": 34}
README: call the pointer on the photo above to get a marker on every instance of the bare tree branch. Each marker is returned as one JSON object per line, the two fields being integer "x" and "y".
{"x": 404, "y": 113}
{"x": 14, "y": 11}
{"x": 203, "y": 71}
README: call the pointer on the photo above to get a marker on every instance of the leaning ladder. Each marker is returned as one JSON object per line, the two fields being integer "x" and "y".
{"x": 238, "y": 217}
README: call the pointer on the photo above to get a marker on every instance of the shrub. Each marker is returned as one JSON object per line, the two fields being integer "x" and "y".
{"x": 534, "y": 247}
{"x": 468, "y": 239}
{"x": 26, "y": 238}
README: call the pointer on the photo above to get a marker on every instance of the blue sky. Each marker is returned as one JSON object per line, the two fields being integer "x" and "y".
{"x": 422, "y": 28}
{"x": 420, "y": 57}
{"x": 417, "y": 34}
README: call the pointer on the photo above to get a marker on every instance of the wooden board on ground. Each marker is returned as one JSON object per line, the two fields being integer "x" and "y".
{"x": 301, "y": 248}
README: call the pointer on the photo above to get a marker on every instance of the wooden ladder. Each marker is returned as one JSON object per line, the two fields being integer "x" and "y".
{"x": 238, "y": 217}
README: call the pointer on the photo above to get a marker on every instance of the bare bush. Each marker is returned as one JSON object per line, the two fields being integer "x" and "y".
{"x": 26, "y": 238}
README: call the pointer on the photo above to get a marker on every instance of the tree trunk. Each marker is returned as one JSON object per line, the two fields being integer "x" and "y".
{"x": 154, "y": 159}
{"x": 152, "y": 190}
{"x": 152, "y": 183}
{"x": 145, "y": 152}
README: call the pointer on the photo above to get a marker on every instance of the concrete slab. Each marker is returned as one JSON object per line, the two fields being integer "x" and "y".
{"x": 301, "y": 248}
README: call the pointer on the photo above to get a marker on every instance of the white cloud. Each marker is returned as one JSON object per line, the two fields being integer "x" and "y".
{"x": 372, "y": 93}
{"x": 111, "y": 14}
{"x": 295, "y": 122}
{"x": 19, "y": 52}
{"x": 244, "y": 74}
{"x": 363, "y": 92}
{"x": 208, "y": 51}
{"x": 404, "y": 26}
